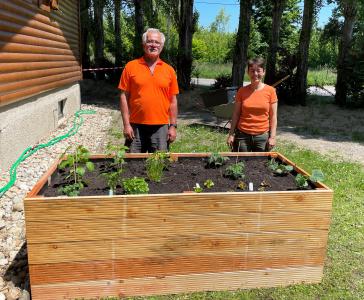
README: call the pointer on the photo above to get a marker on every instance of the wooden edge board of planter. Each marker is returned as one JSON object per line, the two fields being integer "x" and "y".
{"x": 131, "y": 245}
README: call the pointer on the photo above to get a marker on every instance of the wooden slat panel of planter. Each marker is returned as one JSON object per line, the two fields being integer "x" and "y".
{"x": 214, "y": 244}
{"x": 159, "y": 244}
{"x": 106, "y": 228}
{"x": 179, "y": 284}
{"x": 168, "y": 266}
{"x": 134, "y": 206}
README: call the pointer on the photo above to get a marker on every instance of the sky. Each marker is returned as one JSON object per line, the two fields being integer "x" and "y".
{"x": 208, "y": 10}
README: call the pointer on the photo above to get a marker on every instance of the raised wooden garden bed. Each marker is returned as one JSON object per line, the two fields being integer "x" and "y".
{"x": 124, "y": 245}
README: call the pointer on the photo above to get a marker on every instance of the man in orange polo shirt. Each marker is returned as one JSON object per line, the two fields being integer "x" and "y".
{"x": 148, "y": 101}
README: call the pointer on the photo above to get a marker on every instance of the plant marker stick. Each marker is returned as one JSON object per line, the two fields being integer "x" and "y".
{"x": 251, "y": 186}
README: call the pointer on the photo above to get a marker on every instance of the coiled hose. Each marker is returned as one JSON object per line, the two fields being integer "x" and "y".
{"x": 77, "y": 123}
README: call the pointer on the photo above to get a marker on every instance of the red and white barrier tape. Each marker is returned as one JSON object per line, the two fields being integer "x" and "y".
{"x": 100, "y": 69}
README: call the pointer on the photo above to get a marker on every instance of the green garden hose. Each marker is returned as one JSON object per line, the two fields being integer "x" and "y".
{"x": 77, "y": 122}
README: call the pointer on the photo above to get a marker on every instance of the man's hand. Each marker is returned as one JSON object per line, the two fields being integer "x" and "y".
{"x": 172, "y": 134}
{"x": 230, "y": 140}
{"x": 271, "y": 143}
{"x": 128, "y": 132}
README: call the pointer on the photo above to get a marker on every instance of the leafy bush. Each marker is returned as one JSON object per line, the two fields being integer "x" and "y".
{"x": 135, "y": 185}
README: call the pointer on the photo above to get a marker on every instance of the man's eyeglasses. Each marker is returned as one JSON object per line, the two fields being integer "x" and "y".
{"x": 151, "y": 42}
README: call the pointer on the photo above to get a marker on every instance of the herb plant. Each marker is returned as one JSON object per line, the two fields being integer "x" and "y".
{"x": 155, "y": 164}
{"x": 135, "y": 185}
{"x": 77, "y": 163}
{"x": 235, "y": 171}
{"x": 216, "y": 160}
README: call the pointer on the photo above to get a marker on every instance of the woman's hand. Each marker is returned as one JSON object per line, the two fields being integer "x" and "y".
{"x": 230, "y": 140}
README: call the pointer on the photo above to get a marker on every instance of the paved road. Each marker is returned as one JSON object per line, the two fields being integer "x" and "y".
{"x": 327, "y": 90}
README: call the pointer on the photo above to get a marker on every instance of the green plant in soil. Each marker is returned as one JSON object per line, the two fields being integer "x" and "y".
{"x": 235, "y": 171}
{"x": 302, "y": 180}
{"x": 197, "y": 188}
{"x": 135, "y": 185}
{"x": 113, "y": 178}
{"x": 155, "y": 164}
{"x": 78, "y": 163}
{"x": 279, "y": 169}
{"x": 216, "y": 160}
{"x": 209, "y": 183}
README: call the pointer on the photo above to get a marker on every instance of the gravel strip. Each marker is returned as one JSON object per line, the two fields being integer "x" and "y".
{"x": 14, "y": 277}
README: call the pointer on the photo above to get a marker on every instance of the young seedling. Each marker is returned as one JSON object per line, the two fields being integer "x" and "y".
{"x": 242, "y": 185}
{"x": 113, "y": 178}
{"x": 156, "y": 163}
{"x": 197, "y": 188}
{"x": 235, "y": 171}
{"x": 135, "y": 185}
{"x": 216, "y": 160}
{"x": 77, "y": 163}
{"x": 279, "y": 169}
{"x": 209, "y": 183}
{"x": 302, "y": 180}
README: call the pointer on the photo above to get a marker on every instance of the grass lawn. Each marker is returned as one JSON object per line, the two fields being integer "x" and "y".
{"x": 344, "y": 266}
{"x": 318, "y": 77}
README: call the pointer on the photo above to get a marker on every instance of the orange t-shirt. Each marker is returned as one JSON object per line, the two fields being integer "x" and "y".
{"x": 150, "y": 94}
{"x": 255, "y": 107}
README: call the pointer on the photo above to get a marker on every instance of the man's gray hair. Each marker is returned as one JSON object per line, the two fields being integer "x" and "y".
{"x": 153, "y": 30}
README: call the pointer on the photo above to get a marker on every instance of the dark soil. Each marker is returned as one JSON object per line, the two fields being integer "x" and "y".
{"x": 181, "y": 176}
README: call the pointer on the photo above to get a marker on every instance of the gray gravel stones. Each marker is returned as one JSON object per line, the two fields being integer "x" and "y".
{"x": 14, "y": 277}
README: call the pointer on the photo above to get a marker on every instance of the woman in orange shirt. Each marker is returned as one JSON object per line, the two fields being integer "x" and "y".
{"x": 254, "y": 120}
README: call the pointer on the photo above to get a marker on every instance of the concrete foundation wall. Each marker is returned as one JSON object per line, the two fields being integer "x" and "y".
{"x": 24, "y": 123}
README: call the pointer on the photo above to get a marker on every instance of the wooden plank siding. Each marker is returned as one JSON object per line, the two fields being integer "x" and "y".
{"x": 39, "y": 50}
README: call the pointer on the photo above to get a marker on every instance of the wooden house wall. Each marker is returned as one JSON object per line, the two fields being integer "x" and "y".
{"x": 39, "y": 50}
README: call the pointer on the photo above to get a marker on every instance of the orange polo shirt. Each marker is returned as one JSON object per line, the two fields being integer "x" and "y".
{"x": 255, "y": 107}
{"x": 150, "y": 94}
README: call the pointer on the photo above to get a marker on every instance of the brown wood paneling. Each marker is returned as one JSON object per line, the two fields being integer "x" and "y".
{"x": 32, "y": 39}
{"x": 178, "y": 284}
{"x": 30, "y": 66}
{"x": 22, "y": 94}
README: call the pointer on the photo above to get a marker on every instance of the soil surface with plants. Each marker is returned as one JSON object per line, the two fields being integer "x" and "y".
{"x": 182, "y": 176}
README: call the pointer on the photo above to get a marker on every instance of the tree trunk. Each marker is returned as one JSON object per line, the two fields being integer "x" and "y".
{"x": 118, "y": 45}
{"x": 278, "y": 7}
{"x": 343, "y": 74}
{"x": 302, "y": 57}
{"x": 99, "y": 35}
{"x": 241, "y": 44}
{"x": 85, "y": 25}
{"x": 184, "y": 64}
{"x": 139, "y": 28}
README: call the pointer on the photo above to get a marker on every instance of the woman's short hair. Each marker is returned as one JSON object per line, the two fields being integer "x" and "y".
{"x": 258, "y": 61}
{"x": 153, "y": 30}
